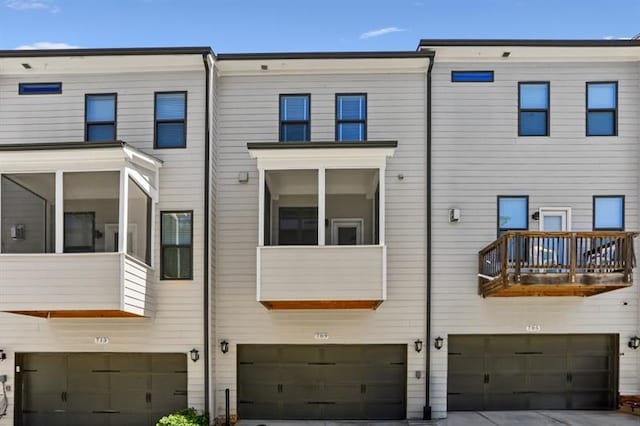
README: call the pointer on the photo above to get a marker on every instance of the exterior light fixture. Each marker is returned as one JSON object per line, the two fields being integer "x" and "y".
{"x": 418, "y": 345}
{"x": 224, "y": 346}
{"x": 26, "y": 66}
{"x": 506, "y": 54}
{"x": 195, "y": 355}
{"x": 3, "y": 356}
{"x": 634, "y": 342}
{"x": 438, "y": 343}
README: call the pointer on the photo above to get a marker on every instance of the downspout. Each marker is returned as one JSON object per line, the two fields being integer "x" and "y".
{"x": 205, "y": 292}
{"x": 427, "y": 407}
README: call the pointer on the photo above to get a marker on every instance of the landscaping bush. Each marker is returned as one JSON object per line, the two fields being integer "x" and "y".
{"x": 187, "y": 417}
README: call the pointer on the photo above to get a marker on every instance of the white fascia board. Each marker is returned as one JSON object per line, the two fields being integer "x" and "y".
{"x": 535, "y": 54}
{"x": 329, "y": 158}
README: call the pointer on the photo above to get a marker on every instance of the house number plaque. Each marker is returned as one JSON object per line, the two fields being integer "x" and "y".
{"x": 533, "y": 328}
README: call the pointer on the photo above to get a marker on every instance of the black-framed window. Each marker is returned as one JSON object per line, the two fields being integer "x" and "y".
{"x": 170, "y": 120}
{"x": 351, "y": 116}
{"x": 608, "y": 212}
{"x": 533, "y": 108}
{"x": 40, "y": 88}
{"x": 602, "y": 108}
{"x": 295, "y": 118}
{"x": 176, "y": 246}
{"x": 79, "y": 232}
{"x": 297, "y": 226}
{"x": 472, "y": 76}
{"x": 513, "y": 213}
{"x": 100, "y": 116}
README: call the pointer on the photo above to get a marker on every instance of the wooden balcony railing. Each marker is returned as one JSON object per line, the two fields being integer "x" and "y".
{"x": 531, "y": 263}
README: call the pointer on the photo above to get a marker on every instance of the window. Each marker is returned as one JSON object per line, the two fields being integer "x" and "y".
{"x": 351, "y": 117}
{"x": 298, "y": 226}
{"x": 170, "y": 120}
{"x": 40, "y": 88}
{"x": 177, "y": 245}
{"x": 472, "y": 76}
{"x": 533, "y": 113}
{"x": 513, "y": 213}
{"x": 100, "y": 117}
{"x": 608, "y": 212}
{"x": 602, "y": 109}
{"x": 294, "y": 118}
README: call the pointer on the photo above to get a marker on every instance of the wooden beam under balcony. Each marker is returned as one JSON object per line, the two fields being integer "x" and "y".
{"x": 532, "y": 263}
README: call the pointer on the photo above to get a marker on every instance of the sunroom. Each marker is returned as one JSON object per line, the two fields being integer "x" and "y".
{"x": 76, "y": 223}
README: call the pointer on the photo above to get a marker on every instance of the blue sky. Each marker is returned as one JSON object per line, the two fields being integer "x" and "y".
{"x": 305, "y": 25}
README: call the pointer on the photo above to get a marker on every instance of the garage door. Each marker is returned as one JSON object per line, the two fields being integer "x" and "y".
{"x": 293, "y": 382}
{"x": 99, "y": 388}
{"x": 532, "y": 372}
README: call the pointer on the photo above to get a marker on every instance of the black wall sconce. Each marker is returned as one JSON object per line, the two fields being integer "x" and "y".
{"x": 418, "y": 345}
{"x": 224, "y": 346}
{"x": 535, "y": 216}
{"x": 634, "y": 342}
{"x": 438, "y": 343}
{"x": 195, "y": 355}
{"x": 3, "y": 356}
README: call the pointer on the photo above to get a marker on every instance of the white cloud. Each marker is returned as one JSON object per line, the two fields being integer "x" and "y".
{"x": 46, "y": 45}
{"x": 381, "y": 32}
{"x": 31, "y": 5}
{"x": 617, "y": 38}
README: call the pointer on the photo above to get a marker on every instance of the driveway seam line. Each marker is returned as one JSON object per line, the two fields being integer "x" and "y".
{"x": 487, "y": 418}
{"x": 553, "y": 418}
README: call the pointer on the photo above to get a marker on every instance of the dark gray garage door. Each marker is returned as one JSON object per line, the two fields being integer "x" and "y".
{"x": 293, "y": 382}
{"x": 532, "y": 372}
{"x": 99, "y": 388}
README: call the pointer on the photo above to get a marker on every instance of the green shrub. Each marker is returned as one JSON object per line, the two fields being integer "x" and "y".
{"x": 187, "y": 417}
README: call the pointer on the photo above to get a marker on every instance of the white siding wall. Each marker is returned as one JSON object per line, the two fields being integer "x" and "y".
{"x": 248, "y": 112}
{"x": 177, "y": 324}
{"x": 477, "y": 156}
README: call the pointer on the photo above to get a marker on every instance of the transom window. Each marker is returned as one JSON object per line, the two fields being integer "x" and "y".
{"x": 40, "y": 88}
{"x": 170, "y": 120}
{"x": 100, "y": 116}
{"x": 533, "y": 113}
{"x": 602, "y": 109}
{"x": 472, "y": 76}
{"x": 513, "y": 213}
{"x": 176, "y": 245}
{"x": 608, "y": 212}
{"x": 295, "y": 118}
{"x": 351, "y": 117}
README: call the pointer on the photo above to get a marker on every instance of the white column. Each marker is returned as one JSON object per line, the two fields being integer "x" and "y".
{"x": 59, "y": 232}
{"x": 124, "y": 209}
{"x": 381, "y": 183}
{"x": 261, "y": 223}
{"x": 321, "y": 205}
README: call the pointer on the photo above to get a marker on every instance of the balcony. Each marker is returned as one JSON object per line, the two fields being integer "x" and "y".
{"x": 76, "y": 226}
{"x": 556, "y": 264}
{"x": 321, "y": 225}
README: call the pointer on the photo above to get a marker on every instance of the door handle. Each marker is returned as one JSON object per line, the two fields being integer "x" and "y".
{"x": 148, "y": 397}
{"x": 63, "y": 396}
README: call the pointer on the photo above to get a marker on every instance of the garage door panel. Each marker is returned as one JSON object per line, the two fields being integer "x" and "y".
{"x": 548, "y": 401}
{"x": 301, "y": 392}
{"x": 512, "y": 363}
{"x": 88, "y": 401}
{"x": 588, "y": 381}
{"x": 548, "y": 344}
{"x": 130, "y": 419}
{"x": 507, "y": 345}
{"x": 466, "y": 364}
{"x": 508, "y": 382}
{"x": 591, "y": 400}
{"x": 466, "y": 382}
{"x": 469, "y": 401}
{"x": 547, "y": 382}
{"x": 88, "y": 381}
{"x": 300, "y": 354}
{"x": 293, "y": 373}
{"x": 49, "y": 419}
{"x": 385, "y": 411}
{"x": 383, "y": 392}
{"x": 261, "y": 373}
{"x": 130, "y": 381}
{"x": 507, "y": 401}
{"x": 129, "y": 401}
{"x": 343, "y": 392}
{"x": 548, "y": 363}
{"x": 162, "y": 363}
{"x": 468, "y": 345}
{"x": 343, "y": 411}
{"x": 587, "y": 363}
{"x": 127, "y": 363}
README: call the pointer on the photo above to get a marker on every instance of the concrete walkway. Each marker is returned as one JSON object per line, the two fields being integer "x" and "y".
{"x": 486, "y": 418}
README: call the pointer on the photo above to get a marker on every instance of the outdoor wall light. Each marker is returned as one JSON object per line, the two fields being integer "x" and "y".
{"x": 634, "y": 342}
{"x": 438, "y": 343}
{"x": 3, "y": 356}
{"x": 418, "y": 345}
{"x": 224, "y": 346}
{"x": 195, "y": 355}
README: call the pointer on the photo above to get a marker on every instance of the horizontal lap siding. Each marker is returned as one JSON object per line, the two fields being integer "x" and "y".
{"x": 248, "y": 112}
{"x": 477, "y": 155}
{"x": 176, "y": 325}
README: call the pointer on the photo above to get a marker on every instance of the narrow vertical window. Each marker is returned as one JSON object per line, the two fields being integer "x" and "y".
{"x": 351, "y": 117}
{"x": 608, "y": 212}
{"x": 533, "y": 109}
{"x": 513, "y": 213}
{"x": 294, "y": 118}
{"x": 100, "y": 117}
{"x": 176, "y": 245}
{"x": 170, "y": 120}
{"x": 602, "y": 109}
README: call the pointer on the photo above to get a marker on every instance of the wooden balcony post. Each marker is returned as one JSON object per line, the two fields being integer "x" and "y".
{"x": 573, "y": 258}
{"x": 628, "y": 257}
{"x": 518, "y": 257}
{"x": 505, "y": 259}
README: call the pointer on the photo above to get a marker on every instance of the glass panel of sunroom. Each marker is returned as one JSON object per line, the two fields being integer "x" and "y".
{"x": 351, "y": 206}
{"x": 139, "y": 223}
{"x": 91, "y": 203}
{"x": 291, "y": 207}
{"x": 28, "y": 213}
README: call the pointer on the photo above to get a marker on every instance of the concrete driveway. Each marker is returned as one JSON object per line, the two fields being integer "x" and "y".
{"x": 486, "y": 418}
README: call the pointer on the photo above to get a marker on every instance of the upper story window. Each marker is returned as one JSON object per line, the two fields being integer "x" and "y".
{"x": 472, "y": 76}
{"x": 100, "y": 117}
{"x": 608, "y": 212}
{"x": 40, "y": 88}
{"x": 533, "y": 111}
{"x": 295, "y": 118}
{"x": 351, "y": 117}
{"x": 513, "y": 213}
{"x": 176, "y": 248}
{"x": 170, "y": 120}
{"x": 602, "y": 109}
